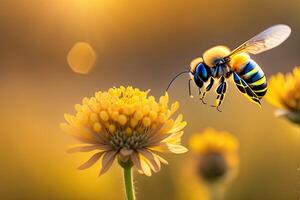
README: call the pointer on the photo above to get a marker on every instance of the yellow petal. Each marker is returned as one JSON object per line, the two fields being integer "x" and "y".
{"x": 174, "y": 138}
{"x": 161, "y": 159}
{"x": 79, "y": 133}
{"x": 179, "y": 118}
{"x": 145, "y": 167}
{"x": 69, "y": 118}
{"x": 167, "y": 126}
{"x": 174, "y": 107}
{"x": 177, "y": 127}
{"x": 176, "y": 148}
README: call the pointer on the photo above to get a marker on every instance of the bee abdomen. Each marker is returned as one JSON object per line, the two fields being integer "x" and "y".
{"x": 253, "y": 75}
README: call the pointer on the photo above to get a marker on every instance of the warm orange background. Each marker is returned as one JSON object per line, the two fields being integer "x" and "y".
{"x": 144, "y": 44}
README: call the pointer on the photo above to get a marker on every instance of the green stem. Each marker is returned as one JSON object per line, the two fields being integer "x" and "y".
{"x": 128, "y": 182}
{"x": 217, "y": 192}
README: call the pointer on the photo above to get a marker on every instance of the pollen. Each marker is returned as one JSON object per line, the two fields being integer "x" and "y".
{"x": 115, "y": 115}
{"x": 82, "y": 117}
{"x": 146, "y": 121}
{"x": 128, "y": 110}
{"x": 97, "y": 127}
{"x": 94, "y": 117}
{"x": 162, "y": 117}
{"x": 133, "y": 122}
{"x": 153, "y": 115}
{"x": 146, "y": 110}
{"x": 112, "y": 128}
{"x": 138, "y": 115}
{"x": 104, "y": 116}
{"x": 78, "y": 107}
{"x": 122, "y": 119}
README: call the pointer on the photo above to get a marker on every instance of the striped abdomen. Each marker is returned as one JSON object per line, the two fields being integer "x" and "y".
{"x": 253, "y": 75}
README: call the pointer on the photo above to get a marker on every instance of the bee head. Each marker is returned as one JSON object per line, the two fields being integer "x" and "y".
{"x": 214, "y": 55}
{"x": 194, "y": 64}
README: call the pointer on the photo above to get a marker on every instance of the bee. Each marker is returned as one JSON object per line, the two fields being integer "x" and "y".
{"x": 220, "y": 63}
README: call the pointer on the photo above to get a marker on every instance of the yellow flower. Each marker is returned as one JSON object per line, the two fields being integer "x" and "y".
{"x": 211, "y": 165}
{"x": 216, "y": 153}
{"x": 284, "y": 93}
{"x": 127, "y": 124}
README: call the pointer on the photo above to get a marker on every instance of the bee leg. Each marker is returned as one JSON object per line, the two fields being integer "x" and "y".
{"x": 245, "y": 89}
{"x": 202, "y": 96}
{"x": 207, "y": 89}
{"x": 219, "y": 100}
{"x": 190, "y": 91}
{"x": 221, "y": 91}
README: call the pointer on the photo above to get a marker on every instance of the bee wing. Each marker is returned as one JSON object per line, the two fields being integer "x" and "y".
{"x": 266, "y": 40}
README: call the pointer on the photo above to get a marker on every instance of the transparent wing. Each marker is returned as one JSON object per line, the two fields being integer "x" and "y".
{"x": 266, "y": 40}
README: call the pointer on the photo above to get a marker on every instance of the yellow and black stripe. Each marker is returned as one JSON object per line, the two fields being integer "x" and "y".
{"x": 253, "y": 75}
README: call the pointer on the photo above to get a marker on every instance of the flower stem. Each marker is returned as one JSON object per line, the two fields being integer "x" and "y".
{"x": 217, "y": 192}
{"x": 128, "y": 182}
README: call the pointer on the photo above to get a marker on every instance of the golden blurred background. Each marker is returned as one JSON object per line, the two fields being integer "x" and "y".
{"x": 144, "y": 44}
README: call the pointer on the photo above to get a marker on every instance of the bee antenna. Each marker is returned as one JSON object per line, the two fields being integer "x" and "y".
{"x": 175, "y": 77}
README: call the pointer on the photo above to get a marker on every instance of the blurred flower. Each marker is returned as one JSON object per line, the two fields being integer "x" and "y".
{"x": 216, "y": 153}
{"x": 284, "y": 93}
{"x": 212, "y": 164}
{"x": 127, "y": 124}
{"x": 81, "y": 57}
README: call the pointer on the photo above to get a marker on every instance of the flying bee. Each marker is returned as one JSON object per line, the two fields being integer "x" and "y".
{"x": 220, "y": 63}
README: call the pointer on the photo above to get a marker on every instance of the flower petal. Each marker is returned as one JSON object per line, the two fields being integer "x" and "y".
{"x": 178, "y": 127}
{"x": 91, "y": 161}
{"x": 135, "y": 159}
{"x": 145, "y": 166}
{"x": 84, "y": 148}
{"x": 168, "y": 125}
{"x": 174, "y": 107}
{"x": 153, "y": 163}
{"x": 174, "y": 138}
{"x": 80, "y": 134}
{"x": 177, "y": 148}
{"x": 161, "y": 159}
{"x": 107, "y": 161}
{"x": 69, "y": 118}
{"x": 156, "y": 139}
{"x": 162, "y": 147}
{"x": 179, "y": 119}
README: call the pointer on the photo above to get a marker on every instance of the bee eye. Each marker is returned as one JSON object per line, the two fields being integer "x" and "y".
{"x": 194, "y": 64}
{"x": 200, "y": 67}
{"x": 202, "y": 71}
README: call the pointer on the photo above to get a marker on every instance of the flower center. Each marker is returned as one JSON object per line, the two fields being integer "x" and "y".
{"x": 121, "y": 139}
{"x": 212, "y": 166}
